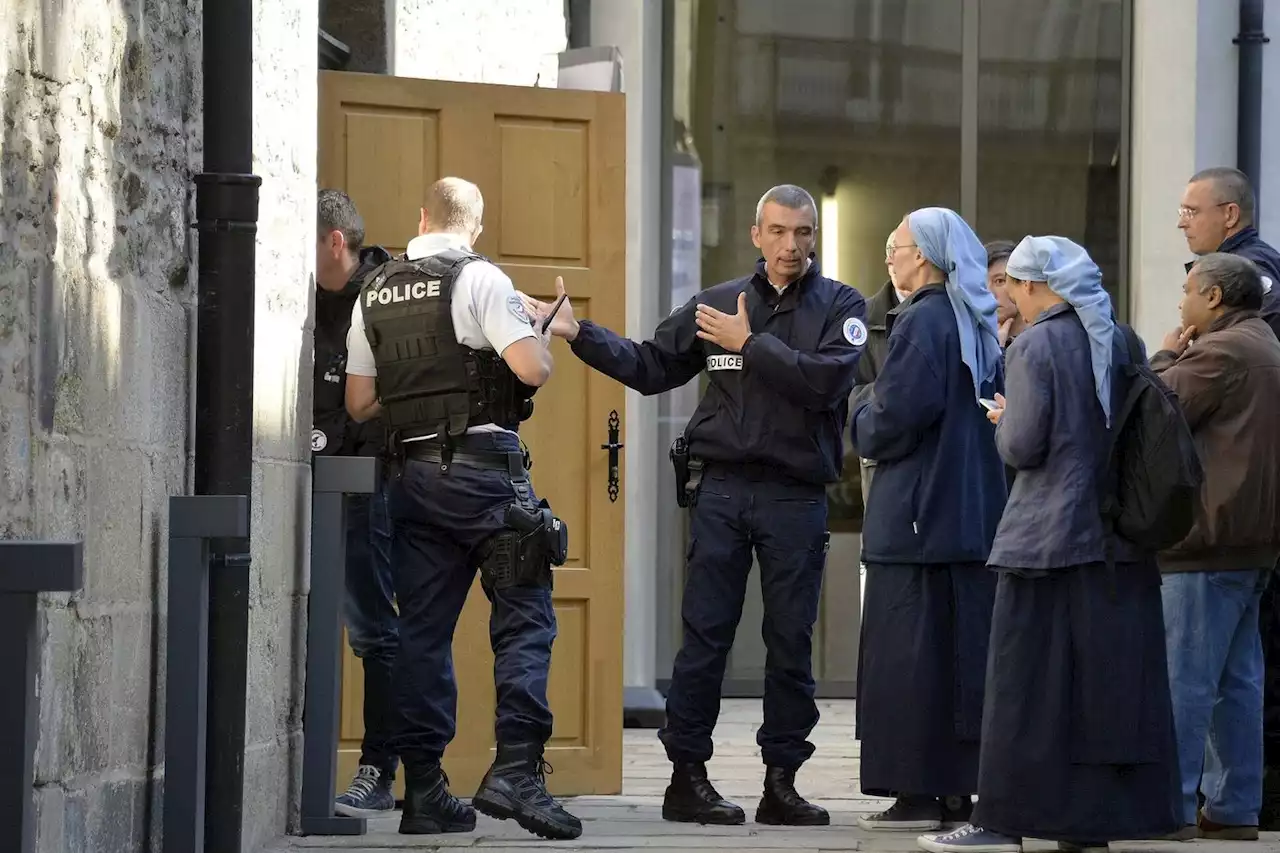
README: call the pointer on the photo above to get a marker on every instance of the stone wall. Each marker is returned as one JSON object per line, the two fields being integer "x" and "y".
{"x": 99, "y": 136}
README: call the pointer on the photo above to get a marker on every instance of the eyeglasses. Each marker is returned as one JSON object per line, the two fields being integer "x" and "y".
{"x": 1190, "y": 212}
{"x": 890, "y": 249}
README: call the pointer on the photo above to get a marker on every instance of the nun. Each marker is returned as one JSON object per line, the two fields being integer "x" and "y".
{"x": 930, "y": 517}
{"x": 1077, "y": 730}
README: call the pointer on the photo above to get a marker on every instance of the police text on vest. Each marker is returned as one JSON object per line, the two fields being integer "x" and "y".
{"x": 724, "y": 362}
{"x": 403, "y": 293}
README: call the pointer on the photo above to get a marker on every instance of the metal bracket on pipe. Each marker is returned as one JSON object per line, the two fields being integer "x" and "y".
{"x": 193, "y": 521}
{"x": 27, "y": 568}
{"x": 333, "y": 478}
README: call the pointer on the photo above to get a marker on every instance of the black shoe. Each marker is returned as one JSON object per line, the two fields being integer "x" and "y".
{"x": 908, "y": 814}
{"x": 957, "y": 810}
{"x": 516, "y": 788}
{"x": 429, "y": 808}
{"x": 782, "y": 806}
{"x": 691, "y": 798}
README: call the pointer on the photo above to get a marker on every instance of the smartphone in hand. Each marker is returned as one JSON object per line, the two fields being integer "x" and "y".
{"x": 989, "y": 405}
{"x": 555, "y": 309}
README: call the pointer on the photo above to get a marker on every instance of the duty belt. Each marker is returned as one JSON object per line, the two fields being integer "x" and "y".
{"x": 432, "y": 451}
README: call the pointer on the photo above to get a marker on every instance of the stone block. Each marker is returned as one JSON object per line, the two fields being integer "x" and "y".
{"x": 61, "y": 488}
{"x": 280, "y": 527}
{"x": 115, "y": 571}
{"x": 132, "y": 686}
{"x": 75, "y": 692}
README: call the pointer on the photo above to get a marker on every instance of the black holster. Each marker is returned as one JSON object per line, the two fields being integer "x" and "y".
{"x": 523, "y": 553}
{"x": 688, "y": 473}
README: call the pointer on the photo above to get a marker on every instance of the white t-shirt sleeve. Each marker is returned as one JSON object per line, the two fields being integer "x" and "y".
{"x": 359, "y": 353}
{"x": 498, "y": 308}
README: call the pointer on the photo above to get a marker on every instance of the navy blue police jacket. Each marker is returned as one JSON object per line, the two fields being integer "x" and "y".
{"x": 939, "y": 488}
{"x": 1249, "y": 244}
{"x": 783, "y": 401}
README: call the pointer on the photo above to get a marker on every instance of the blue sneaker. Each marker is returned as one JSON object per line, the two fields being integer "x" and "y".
{"x": 368, "y": 795}
{"x": 969, "y": 839}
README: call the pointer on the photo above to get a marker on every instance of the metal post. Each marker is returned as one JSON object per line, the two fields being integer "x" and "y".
{"x": 193, "y": 521}
{"x": 26, "y": 569}
{"x": 334, "y": 477}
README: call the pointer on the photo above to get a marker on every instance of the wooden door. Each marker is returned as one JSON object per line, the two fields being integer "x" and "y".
{"x": 550, "y": 165}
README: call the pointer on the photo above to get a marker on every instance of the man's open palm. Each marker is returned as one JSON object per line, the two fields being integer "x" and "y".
{"x": 564, "y": 325}
{"x": 729, "y": 331}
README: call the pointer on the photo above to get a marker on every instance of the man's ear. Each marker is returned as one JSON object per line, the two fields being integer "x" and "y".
{"x": 1233, "y": 215}
{"x": 423, "y": 221}
{"x": 1214, "y": 297}
{"x": 755, "y": 236}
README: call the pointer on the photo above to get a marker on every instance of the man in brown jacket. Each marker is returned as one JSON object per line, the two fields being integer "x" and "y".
{"x": 1224, "y": 364}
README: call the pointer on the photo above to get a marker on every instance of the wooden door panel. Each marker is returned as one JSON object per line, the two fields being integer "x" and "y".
{"x": 550, "y": 165}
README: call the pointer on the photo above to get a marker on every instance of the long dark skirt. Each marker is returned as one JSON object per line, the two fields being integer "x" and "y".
{"x": 1077, "y": 736}
{"x": 921, "y": 662}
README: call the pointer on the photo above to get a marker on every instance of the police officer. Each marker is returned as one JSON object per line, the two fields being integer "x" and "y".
{"x": 442, "y": 347}
{"x": 342, "y": 262}
{"x": 780, "y": 347}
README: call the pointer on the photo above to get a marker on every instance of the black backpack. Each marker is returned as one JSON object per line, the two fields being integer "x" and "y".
{"x": 1153, "y": 475}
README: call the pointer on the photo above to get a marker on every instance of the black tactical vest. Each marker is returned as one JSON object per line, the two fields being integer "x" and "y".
{"x": 427, "y": 381}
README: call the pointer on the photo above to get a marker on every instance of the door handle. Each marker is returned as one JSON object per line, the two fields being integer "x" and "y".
{"x": 613, "y": 447}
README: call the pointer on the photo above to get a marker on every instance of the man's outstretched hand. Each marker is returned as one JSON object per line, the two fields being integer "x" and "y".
{"x": 729, "y": 331}
{"x": 563, "y": 325}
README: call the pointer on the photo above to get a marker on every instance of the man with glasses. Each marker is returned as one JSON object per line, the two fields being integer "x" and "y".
{"x": 1217, "y": 215}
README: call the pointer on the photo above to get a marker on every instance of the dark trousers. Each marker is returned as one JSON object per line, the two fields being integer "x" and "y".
{"x": 441, "y": 520}
{"x": 786, "y": 524}
{"x": 370, "y": 615}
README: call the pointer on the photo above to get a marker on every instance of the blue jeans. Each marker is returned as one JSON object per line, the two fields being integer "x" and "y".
{"x": 1215, "y": 678}
{"x": 370, "y": 616}
{"x": 441, "y": 521}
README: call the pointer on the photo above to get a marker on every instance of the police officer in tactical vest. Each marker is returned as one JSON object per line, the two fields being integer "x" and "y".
{"x": 369, "y": 612}
{"x": 442, "y": 347}
{"x": 780, "y": 347}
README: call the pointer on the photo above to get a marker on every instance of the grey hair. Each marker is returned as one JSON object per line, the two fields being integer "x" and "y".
{"x": 335, "y": 211}
{"x": 1238, "y": 278}
{"x": 1231, "y": 187}
{"x": 789, "y": 196}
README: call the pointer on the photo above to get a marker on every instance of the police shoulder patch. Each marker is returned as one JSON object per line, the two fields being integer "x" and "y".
{"x": 516, "y": 306}
{"x": 319, "y": 441}
{"x": 1266, "y": 284}
{"x": 855, "y": 331}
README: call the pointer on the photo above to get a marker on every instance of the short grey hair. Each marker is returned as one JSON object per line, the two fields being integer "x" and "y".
{"x": 1231, "y": 186}
{"x": 1238, "y": 278}
{"x": 789, "y": 196}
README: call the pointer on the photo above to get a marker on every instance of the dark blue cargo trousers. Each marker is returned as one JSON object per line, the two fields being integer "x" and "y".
{"x": 785, "y": 522}
{"x": 441, "y": 520}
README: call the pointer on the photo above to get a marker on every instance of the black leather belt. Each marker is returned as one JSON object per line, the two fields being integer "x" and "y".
{"x": 431, "y": 451}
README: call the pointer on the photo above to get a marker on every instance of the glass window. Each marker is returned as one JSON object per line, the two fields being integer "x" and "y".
{"x": 1049, "y": 117}
{"x": 858, "y": 101}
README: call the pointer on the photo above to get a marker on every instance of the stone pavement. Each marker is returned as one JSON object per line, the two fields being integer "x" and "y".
{"x": 633, "y": 822}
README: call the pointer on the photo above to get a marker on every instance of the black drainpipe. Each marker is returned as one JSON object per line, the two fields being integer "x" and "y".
{"x": 226, "y": 217}
{"x": 1249, "y": 116}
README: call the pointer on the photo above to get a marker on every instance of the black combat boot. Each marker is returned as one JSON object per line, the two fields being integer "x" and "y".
{"x": 516, "y": 788}
{"x": 691, "y": 798}
{"x": 782, "y": 806}
{"x": 429, "y": 808}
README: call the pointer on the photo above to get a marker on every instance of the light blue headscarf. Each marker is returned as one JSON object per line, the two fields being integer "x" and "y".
{"x": 1069, "y": 271}
{"x": 947, "y": 242}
